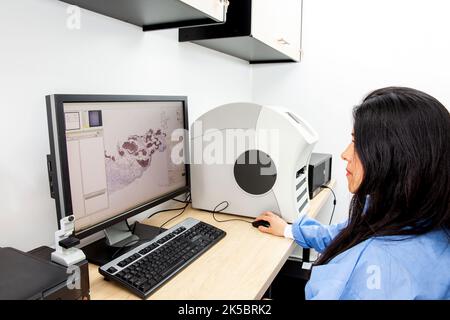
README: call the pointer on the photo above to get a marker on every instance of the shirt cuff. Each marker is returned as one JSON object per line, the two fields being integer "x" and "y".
{"x": 288, "y": 232}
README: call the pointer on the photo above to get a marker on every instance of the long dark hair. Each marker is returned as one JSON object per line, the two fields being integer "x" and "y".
{"x": 402, "y": 137}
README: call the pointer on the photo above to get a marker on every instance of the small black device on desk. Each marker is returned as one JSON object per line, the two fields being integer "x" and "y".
{"x": 25, "y": 276}
{"x": 319, "y": 172}
{"x": 144, "y": 269}
{"x": 263, "y": 223}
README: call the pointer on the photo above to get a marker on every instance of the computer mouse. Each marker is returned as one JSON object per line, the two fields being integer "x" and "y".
{"x": 263, "y": 223}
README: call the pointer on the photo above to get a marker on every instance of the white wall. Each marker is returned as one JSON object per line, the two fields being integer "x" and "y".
{"x": 350, "y": 48}
{"x": 40, "y": 56}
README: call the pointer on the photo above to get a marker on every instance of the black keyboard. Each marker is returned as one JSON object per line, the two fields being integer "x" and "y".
{"x": 145, "y": 268}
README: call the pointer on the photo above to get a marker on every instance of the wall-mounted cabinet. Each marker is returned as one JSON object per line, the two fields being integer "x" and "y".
{"x": 159, "y": 14}
{"x": 258, "y": 31}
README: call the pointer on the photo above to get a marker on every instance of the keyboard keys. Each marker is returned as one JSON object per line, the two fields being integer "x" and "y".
{"x": 145, "y": 287}
{"x": 140, "y": 282}
{"x": 173, "y": 268}
{"x": 146, "y": 270}
{"x": 112, "y": 270}
{"x": 162, "y": 240}
{"x": 148, "y": 248}
{"x": 122, "y": 264}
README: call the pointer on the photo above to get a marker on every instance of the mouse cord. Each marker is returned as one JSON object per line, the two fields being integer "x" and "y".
{"x": 334, "y": 201}
{"x": 214, "y": 211}
{"x": 187, "y": 202}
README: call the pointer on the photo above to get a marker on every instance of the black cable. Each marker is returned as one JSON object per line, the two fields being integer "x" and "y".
{"x": 214, "y": 211}
{"x": 176, "y": 216}
{"x": 334, "y": 201}
{"x": 181, "y": 201}
{"x": 174, "y": 209}
{"x": 128, "y": 225}
{"x": 151, "y": 215}
{"x": 165, "y": 210}
{"x": 159, "y": 230}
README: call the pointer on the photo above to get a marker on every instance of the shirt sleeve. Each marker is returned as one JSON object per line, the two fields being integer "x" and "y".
{"x": 310, "y": 233}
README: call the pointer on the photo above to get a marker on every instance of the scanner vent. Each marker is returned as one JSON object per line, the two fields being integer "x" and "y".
{"x": 301, "y": 190}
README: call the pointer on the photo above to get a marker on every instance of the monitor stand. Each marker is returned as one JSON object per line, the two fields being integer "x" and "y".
{"x": 119, "y": 240}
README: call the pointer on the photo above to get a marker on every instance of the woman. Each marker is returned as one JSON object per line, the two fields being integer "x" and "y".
{"x": 396, "y": 242}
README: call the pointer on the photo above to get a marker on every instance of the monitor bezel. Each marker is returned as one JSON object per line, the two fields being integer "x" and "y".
{"x": 59, "y": 169}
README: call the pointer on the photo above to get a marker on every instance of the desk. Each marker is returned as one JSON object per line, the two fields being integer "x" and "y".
{"x": 240, "y": 266}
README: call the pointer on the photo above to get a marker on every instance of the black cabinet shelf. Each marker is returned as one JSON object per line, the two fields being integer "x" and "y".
{"x": 234, "y": 37}
{"x": 149, "y": 14}
{"x": 246, "y": 48}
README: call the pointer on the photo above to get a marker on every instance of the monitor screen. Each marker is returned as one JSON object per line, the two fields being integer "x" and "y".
{"x": 119, "y": 157}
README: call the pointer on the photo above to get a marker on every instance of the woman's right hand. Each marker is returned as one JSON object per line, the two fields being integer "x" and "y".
{"x": 277, "y": 224}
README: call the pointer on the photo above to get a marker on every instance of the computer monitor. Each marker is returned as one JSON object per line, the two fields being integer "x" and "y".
{"x": 113, "y": 157}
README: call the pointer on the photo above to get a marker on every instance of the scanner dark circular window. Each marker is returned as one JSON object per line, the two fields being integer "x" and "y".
{"x": 255, "y": 172}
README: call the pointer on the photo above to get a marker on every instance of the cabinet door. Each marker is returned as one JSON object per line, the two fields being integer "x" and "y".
{"x": 278, "y": 24}
{"x": 214, "y": 8}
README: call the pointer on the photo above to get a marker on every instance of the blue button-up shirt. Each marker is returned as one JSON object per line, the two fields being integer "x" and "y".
{"x": 391, "y": 267}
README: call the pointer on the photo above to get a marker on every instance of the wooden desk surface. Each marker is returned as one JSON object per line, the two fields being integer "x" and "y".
{"x": 240, "y": 266}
